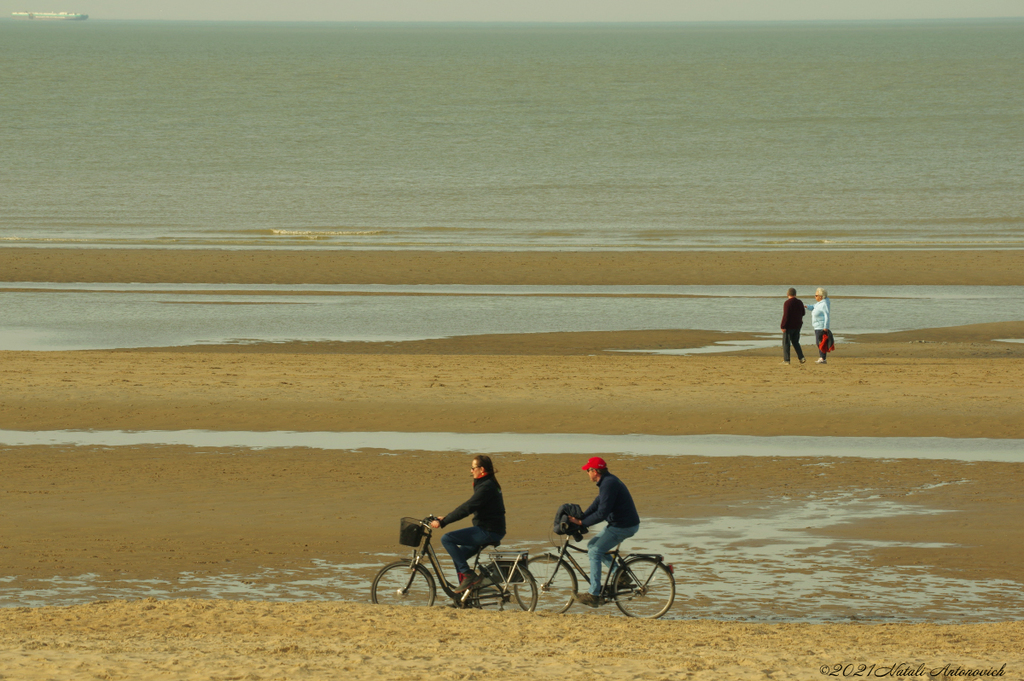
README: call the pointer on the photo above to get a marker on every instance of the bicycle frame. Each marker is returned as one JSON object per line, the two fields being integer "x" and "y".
{"x": 619, "y": 565}
{"x": 427, "y": 551}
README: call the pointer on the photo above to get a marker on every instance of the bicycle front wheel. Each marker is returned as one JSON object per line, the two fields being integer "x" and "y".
{"x": 644, "y": 588}
{"x": 556, "y": 583}
{"x": 401, "y": 584}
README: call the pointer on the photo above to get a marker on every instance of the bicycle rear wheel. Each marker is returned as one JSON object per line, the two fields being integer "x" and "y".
{"x": 486, "y": 598}
{"x": 524, "y": 591}
{"x": 400, "y": 584}
{"x": 646, "y": 589}
{"x": 521, "y": 591}
{"x": 556, "y": 583}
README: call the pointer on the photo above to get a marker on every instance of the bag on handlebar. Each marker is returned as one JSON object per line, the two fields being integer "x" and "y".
{"x": 562, "y": 524}
{"x": 411, "y": 532}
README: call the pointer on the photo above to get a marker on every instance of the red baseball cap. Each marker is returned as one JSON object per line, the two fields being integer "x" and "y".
{"x": 595, "y": 462}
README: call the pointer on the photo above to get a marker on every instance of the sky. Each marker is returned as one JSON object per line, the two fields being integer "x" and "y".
{"x": 523, "y": 10}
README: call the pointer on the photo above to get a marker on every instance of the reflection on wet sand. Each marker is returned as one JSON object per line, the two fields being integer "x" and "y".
{"x": 764, "y": 560}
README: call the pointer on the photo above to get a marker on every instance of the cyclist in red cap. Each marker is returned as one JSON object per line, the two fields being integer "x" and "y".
{"x": 615, "y": 505}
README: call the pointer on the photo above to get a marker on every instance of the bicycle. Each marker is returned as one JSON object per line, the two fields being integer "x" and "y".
{"x": 640, "y": 584}
{"x": 408, "y": 582}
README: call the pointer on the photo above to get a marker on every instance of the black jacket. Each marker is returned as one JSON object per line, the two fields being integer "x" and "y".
{"x": 486, "y": 504}
{"x": 566, "y": 511}
{"x": 564, "y": 526}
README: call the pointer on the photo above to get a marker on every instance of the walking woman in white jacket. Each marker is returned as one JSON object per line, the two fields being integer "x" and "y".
{"x": 820, "y": 317}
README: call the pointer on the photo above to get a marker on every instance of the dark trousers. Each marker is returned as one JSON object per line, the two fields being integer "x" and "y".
{"x": 818, "y": 334}
{"x": 463, "y": 545}
{"x": 791, "y": 336}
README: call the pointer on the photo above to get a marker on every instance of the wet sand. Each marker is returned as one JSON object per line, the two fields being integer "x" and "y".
{"x": 909, "y": 384}
{"x": 155, "y": 512}
{"x": 137, "y": 513}
{"x": 784, "y": 268}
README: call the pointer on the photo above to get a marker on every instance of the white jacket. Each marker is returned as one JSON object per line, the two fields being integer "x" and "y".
{"x": 820, "y": 314}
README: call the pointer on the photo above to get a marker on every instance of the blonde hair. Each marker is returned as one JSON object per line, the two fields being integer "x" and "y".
{"x": 821, "y": 292}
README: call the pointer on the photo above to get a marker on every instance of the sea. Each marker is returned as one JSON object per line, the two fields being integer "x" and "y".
{"x": 857, "y": 135}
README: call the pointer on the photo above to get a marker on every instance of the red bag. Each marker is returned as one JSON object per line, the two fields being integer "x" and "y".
{"x": 828, "y": 341}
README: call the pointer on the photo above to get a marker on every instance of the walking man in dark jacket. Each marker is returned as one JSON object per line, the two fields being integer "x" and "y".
{"x": 488, "y": 509}
{"x": 792, "y": 321}
{"x": 615, "y": 505}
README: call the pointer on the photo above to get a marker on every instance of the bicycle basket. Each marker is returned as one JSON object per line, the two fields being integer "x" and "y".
{"x": 507, "y": 561}
{"x": 411, "y": 532}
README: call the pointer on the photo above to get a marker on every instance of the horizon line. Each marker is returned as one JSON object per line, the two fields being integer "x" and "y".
{"x": 524, "y": 22}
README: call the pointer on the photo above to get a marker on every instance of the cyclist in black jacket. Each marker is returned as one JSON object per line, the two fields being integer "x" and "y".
{"x": 488, "y": 509}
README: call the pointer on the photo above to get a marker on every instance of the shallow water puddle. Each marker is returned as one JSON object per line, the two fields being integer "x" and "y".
{"x": 721, "y": 346}
{"x": 321, "y": 581}
{"x": 773, "y": 563}
{"x": 766, "y": 561}
{"x": 960, "y": 449}
{"x": 55, "y": 316}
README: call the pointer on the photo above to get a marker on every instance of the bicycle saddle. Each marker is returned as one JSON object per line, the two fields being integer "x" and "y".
{"x": 480, "y": 550}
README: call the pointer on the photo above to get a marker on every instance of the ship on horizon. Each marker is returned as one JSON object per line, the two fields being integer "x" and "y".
{"x": 66, "y": 16}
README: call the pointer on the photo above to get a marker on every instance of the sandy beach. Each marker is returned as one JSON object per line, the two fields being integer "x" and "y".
{"x": 205, "y": 640}
{"x": 154, "y": 513}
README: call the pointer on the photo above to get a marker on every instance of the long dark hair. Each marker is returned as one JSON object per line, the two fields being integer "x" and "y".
{"x": 485, "y": 462}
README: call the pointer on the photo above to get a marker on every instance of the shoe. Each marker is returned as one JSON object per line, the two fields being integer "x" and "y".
{"x": 802, "y": 360}
{"x": 624, "y": 582}
{"x": 821, "y": 361}
{"x": 468, "y": 580}
{"x": 588, "y": 599}
{"x": 786, "y": 363}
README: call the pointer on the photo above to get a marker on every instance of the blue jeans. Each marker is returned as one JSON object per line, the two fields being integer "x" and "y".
{"x": 598, "y": 548}
{"x": 462, "y": 544}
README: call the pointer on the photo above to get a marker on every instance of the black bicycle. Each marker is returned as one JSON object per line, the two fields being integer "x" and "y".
{"x": 506, "y": 578}
{"x": 640, "y": 584}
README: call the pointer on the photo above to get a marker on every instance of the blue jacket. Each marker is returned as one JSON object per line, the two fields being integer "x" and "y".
{"x": 821, "y": 314}
{"x": 613, "y": 503}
